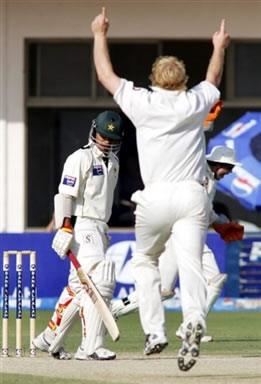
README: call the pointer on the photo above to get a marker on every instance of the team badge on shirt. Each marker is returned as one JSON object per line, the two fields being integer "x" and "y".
{"x": 69, "y": 180}
{"x": 97, "y": 170}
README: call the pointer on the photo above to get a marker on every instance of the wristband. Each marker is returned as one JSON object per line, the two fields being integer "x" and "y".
{"x": 66, "y": 228}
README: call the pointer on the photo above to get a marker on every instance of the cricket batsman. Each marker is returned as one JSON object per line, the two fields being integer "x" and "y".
{"x": 82, "y": 209}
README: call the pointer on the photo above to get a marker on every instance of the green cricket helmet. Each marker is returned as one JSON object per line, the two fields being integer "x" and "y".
{"x": 108, "y": 124}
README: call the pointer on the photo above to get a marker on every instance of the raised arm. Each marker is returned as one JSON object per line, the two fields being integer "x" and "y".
{"x": 102, "y": 61}
{"x": 221, "y": 41}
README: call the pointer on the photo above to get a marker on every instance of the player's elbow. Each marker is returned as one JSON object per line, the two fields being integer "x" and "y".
{"x": 104, "y": 80}
{"x": 111, "y": 82}
{"x": 101, "y": 78}
{"x": 213, "y": 79}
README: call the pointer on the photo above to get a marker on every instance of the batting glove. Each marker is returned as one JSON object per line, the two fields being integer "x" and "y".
{"x": 62, "y": 241}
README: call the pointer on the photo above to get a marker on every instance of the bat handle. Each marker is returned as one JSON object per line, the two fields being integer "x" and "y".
{"x": 74, "y": 260}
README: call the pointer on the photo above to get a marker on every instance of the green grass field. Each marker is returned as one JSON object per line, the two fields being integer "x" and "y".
{"x": 235, "y": 334}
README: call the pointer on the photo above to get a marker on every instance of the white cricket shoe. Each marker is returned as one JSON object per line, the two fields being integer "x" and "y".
{"x": 155, "y": 343}
{"x": 207, "y": 339}
{"x": 61, "y": 354}
{"x": 180, "y": 334}
{"x": 41, "y": 343}
{"x": 117, "y": 306}
{"x": 98, "y": 354}
{"x": 190, "y": 348}
{"x": 123, "y": 307}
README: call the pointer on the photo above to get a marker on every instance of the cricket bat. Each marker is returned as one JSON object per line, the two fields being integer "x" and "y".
{"x": 96, "y": 298}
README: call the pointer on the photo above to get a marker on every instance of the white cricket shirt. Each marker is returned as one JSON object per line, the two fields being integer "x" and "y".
{"x": 211, "y": 189}
{"x": 86, "y": 177}
{"x": 169, "y": 128}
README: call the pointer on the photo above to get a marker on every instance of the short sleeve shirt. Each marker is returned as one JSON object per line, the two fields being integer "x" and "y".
{"x": 86, "y": 177}
{"x": 169, "y": 128}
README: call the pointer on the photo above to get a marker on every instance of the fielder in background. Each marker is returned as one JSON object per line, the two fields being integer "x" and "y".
{"x": 173, "y": 205}
{"x": 220, "y": 162}
{"x": 86, "y": 194}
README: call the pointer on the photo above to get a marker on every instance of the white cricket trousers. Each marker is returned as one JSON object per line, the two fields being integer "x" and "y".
{"x": 169, "y": 268}
{"x": 177, "y": 212}
{"x": 90, "y": 243}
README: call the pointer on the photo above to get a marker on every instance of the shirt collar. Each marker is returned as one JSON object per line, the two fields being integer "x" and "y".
{"x": 97, "y": 151}
{"x": 158, "y": 89}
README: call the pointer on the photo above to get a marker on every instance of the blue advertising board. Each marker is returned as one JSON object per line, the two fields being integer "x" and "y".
{"x": 244, "y": 183}
{"x": 52, "y": 272}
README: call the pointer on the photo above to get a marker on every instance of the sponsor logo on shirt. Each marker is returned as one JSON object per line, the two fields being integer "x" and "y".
{"x": 69, "y": 180}
{"x": 97, "y": 170}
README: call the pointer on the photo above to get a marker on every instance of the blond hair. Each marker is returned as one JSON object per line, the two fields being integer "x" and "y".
{"x": 169, "y": 72}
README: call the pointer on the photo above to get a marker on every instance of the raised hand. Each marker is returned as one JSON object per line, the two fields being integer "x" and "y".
{"x": 100, "y": 24}
{"x": 221, "y": 39}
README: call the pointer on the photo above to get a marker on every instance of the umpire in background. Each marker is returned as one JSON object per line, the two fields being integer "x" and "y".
{"x": 173, "y": 205}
